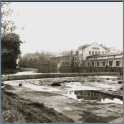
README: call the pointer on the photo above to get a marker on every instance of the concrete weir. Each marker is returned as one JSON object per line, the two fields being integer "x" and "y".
{"x": 53, "y": 75}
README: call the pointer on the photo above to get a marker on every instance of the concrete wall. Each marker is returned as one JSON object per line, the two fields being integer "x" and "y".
{"x": 28, "y": 69}
{"x": 90, "y": 69}
{"x": 53, "y": 75}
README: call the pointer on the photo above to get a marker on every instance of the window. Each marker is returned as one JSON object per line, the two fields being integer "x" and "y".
{"x": 92, "y": 63}
{"x": 88, "y": 64}
{"x": 95, "y": 52}
{"x": 99, "y": 52}
{"x": 117, "y": 63}
{"x": 68, "y": 63}
{"x": 102, "y": 52}
{"x": 84, "y": 64}
{"x": 97, "y": 63}
{"x": 103, "y": 63}
{"x": 90, "y": 52}
{"x": 110, "y": 63}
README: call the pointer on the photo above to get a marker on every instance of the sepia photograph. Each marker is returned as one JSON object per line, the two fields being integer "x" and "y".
{"x": 61, "y": 62}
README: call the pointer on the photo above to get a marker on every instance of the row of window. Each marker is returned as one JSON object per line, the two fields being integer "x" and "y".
{"x": 54, "y": 60}
{"x": 95, "y": 52}
{"x": 76, "y": 58}
{"x": 103, "y": 63}
{"x": 65, "y": 63}
{"x": 62, "y": 59}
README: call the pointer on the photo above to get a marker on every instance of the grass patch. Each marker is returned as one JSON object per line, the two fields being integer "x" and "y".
{"x": 18, "y": 110}
{"x": 9, "y": 87}
{"x": 89, "y": 117}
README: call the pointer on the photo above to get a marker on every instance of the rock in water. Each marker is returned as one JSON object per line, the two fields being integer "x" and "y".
{"x": 20, "y": 84}
{"x": 55, "y": 84}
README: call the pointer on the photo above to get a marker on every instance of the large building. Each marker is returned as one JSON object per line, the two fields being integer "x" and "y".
{"x": 104, "y": 60}
{"x": 93, "y": 55}
{"x": 62, "y": 60}
{"x": 87, "y": 50}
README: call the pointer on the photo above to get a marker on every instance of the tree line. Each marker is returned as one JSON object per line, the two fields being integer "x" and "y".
{"x": 35, "y": 59}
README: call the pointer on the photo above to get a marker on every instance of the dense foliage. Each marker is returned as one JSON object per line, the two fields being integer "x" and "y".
{"x": 10, "y": 49}
{"x": 11, "y": 42}
{"x": 34, "y": 59}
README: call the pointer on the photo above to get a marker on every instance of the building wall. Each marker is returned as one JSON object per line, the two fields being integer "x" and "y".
{"x": 110, "y": 61}
{"x": 93, "y": 48}
{"x": 88, "y": 51}
{"x": 76, "y": 61}
{"x": 54, "y": 61}
{"x": 62, "y": 61}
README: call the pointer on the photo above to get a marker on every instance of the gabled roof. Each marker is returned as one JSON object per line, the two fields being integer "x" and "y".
{"x": 86, "y": 45}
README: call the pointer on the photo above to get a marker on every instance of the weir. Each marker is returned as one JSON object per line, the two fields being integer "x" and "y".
{"x": 54, "y": 75}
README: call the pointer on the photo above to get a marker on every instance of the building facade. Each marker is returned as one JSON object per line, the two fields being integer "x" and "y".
{"x": 104, "y": 60}
{"x": 62, "y": 60}
{"x": 87, "y": 50}
{"x": 93, "y": 55}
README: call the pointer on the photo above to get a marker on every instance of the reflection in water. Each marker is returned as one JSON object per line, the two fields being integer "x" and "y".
{"x": 93, "y": 95}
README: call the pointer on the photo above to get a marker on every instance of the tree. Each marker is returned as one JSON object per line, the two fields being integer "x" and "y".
{"x": 11, "y": 42}
{"x": 10, "y": 49}
{"x": 6, "y": 24}
{"x": 8, "y": 60}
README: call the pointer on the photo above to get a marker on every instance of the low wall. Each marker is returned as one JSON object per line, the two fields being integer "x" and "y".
{"x": 53, "y": 75}
{"x": 90, "y": 69}
{"x": 68, "y": 69}
{"x": 28, "y": 69}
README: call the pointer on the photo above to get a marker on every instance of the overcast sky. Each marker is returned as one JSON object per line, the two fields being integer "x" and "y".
{"x": 54, "y": 26}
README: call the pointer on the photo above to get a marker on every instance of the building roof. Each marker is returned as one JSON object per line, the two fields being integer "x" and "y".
{"x": 105, "y": 55}
{"x": 61, "y": 56}
{"x": 86, "y": 45}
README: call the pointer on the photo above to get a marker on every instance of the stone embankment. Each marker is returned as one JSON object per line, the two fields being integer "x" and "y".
{"x": 53, "y": 75}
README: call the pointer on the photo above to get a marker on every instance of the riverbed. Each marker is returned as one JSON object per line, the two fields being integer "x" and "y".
{"x": 98, "y": 95}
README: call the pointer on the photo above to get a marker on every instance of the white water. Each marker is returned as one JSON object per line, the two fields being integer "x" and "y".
{"x": 115, "y": 100}
{"x": 106, "y": 76}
